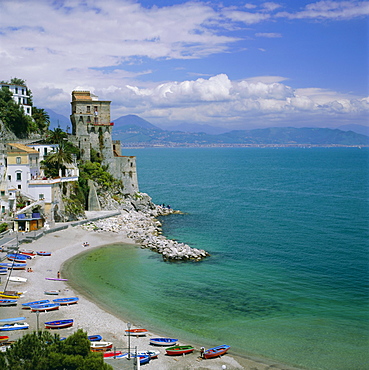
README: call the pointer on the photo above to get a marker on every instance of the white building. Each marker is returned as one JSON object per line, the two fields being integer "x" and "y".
{"x": 20, "y": 96}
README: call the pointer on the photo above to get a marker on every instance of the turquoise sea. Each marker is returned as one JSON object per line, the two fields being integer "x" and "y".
{"x": 288, "y": 233}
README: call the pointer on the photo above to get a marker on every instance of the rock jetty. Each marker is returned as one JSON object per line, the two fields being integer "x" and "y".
{"x": 145, "y": 229}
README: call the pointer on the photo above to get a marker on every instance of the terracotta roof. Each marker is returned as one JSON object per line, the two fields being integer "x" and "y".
{"x": 23, "y": 148}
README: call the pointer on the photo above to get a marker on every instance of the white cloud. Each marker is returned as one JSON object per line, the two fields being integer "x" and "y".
{"x": 220, "y": 101}
{"x": 268, "y": 34}
{"x": 335, "y": 10}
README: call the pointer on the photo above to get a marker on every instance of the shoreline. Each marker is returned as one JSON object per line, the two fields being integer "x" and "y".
{"x": 65, "y": 245}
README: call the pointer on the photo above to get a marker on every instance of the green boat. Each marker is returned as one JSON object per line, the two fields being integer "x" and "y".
{"x": 179, "y": 350}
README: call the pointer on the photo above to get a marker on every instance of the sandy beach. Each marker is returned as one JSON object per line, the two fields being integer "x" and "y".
{"x": 90, "y": 316}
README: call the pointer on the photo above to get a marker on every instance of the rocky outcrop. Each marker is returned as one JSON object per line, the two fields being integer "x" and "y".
{"x": 144, "y": 229}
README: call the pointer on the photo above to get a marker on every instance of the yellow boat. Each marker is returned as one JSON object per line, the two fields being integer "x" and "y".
{"x": 10, "y": 294}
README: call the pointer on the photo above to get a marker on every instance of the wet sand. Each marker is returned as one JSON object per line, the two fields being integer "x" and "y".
{"x": 91, "y": 316}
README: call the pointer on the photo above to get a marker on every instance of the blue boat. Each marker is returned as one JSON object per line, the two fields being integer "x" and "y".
{"x": 66, "y": 301}
{"x": 3, "y": 270}
{"x": 29, "y": 304}
{"x": 22, "y": 257}
{"x": 14, "y": 326}
{"x": 94, "y": 338}
{"x": 8, "y": 302}
{"x": 15, "y": 266}
{"x": 44, "y": 307}
{"x": 59, "y": 324}
{"x": 12, "y": 319}
{"x": 216, "y": 351}
{"x": 163, "y": 341}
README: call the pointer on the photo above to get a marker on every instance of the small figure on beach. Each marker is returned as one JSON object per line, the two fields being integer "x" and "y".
{"x": 202, "y": 350}
{"x": 29, "y": 270}
{"x": 85, "y": 244}
{"x": 58, "y": 274}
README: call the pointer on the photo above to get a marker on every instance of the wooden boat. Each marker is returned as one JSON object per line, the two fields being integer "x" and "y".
{"x": 3, "y": 270}
{"x": 17, "y": 279}
{"x": 14, "y": 326}
{"x": 52, "y": 292}
{"x": 136, "y": 332}
{"x": 179, "y": 350}
{"x": 216, "y": 351}
{"x": 10, "y": 294}
{"x": 66, "y": 301}
{"x": 163, "y": 341}
{"x": 8, "y": 302}
{"x": 29, "y": 304}
{"x": 151, "y": 354}
{"x": 17, "y": 256}
{"x": 100, "y": 346}
{"x": 94, "y": 338}
{"x": 56, "y": 279}
{"x": 59, "y": 324}
{"x": 44, "y": 307}
{"x": 4, "y": 338}
{"x": 112, "y": 354}
{"x": 27, "y": 252}
{"x": 14, "y": 266}
{"x": 43, "y": 253}
{"x": 144, "y": 359}
{"x": 12, "y": 319}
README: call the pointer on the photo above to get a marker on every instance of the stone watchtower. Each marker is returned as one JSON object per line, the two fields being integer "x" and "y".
{"x": 92, "y": 129}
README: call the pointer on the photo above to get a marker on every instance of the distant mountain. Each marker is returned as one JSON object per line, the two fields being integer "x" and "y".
{"x": 193, "y": 127}
{"x": 359, "y": 129}
{"x": 133, "y": 121}
{"x": 145, "y": 134}
{"x": 58, "y": 120}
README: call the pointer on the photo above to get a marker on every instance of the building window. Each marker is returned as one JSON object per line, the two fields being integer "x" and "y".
{"x": 19, "y": 176}
{"x": 10, "y": 177}
{"x": 2, "y": 193}
{"x": 88, "y": 109}
{"x": 19, "y": 187}
{"x": 18, "y": 160}
{"x": 2, "y": 209}
{"x": 45, "y": 151}
{"x": 96, "y": 120}
{"x": 41, "y": 196}
{"x": 22, "y": 91}
{"x": 16, "y": 90}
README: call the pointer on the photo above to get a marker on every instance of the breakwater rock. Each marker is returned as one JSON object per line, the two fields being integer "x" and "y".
{"x": 144, "y": 229}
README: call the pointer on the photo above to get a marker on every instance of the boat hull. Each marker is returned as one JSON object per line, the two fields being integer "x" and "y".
{"x": 45, "y": 307}
{"x": 94, "y": 338}
{"x": 16, "y": 326}
{"x": 66, "y": 301}
{"x": 51, "y": 292}
{"x": 29, "y": 304}
{"x": 215, "y": 351}
{"x": 179, "y": 350}
{"x": 163, "y": 341}
{"x": 136, "y": 332}
{"x": 100, "y": 346}
{"x": 8, "y": 302}
{"x": 59, "y": 324}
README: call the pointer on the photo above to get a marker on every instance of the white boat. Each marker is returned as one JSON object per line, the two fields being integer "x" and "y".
{"x": 100, "y": 346}
{"x": 14, "y": 326}
{"x": 17, "y": 279}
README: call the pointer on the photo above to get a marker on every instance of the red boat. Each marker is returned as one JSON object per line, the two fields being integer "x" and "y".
{"x": 27, "y": 252}
{"x": 4, "y": 338}
{"x": 136, "y": 332}
{"x": 112, "y": 354}
{"x": 216, "y": 351}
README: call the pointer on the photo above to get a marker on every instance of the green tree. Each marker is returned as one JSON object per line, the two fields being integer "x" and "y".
{"x": 56, "y": 136}
{"x": 41, "y": 119}
{"x": 12, "y": 114}
{"x": 44, "y": 351}
{"x": 57, "y": 160}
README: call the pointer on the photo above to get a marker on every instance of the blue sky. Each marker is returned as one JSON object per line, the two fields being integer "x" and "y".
{"x": 231, "y": 64}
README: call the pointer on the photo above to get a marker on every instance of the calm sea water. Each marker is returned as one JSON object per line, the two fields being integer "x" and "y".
{"x": 287, "y": 230}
